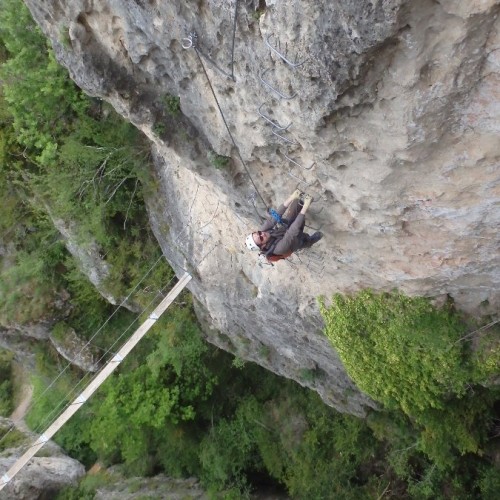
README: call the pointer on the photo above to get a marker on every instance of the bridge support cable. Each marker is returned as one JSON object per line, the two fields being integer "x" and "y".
{"x": 97, "y": 381}
{"x": 88, "y": 343}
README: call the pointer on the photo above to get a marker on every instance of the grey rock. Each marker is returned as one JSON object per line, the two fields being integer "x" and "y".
{"x": 88, "y": 256}
{"x": 76, "y": 350}
{"x": 160, "y": 486}
{"x": 44, "y": 475}
{"x": 396, "y": 114}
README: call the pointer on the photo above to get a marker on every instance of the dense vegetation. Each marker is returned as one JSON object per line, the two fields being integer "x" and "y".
{"x": 71, "y": 159}
{"x": 6, "y": 402}
{"x": 179, "y": 405}
{"x": 417, "y": 361}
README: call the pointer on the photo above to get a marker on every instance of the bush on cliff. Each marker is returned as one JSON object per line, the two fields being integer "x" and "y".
{"x": 408, "y": 355}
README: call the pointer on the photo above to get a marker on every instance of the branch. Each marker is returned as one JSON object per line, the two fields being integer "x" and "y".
{"x": 130, "y": 204}
{"x": 117, "y": 187}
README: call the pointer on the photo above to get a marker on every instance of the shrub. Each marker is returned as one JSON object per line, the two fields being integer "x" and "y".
{"x": 172, "y": 104}
{"x": 405, "y": 353}
{"x": 218, "y": 161}
{"x": 399, "y": 350}
{"x": 6, "y": 403}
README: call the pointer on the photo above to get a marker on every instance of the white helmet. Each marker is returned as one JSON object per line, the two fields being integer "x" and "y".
{"x": 250, "y": 243}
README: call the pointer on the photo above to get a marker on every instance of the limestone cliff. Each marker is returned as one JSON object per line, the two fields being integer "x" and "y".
{"x": 387, "y": 114}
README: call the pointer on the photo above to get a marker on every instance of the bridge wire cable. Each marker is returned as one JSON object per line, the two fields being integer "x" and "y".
{"x": 69, "y": 364}
{"x": 86, "y": 376}
{"x": 66, "y": 401}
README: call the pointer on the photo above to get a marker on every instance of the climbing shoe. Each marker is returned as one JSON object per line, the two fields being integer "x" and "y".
{"x": 301, "y": 199}
{"x": 315, "y": 237}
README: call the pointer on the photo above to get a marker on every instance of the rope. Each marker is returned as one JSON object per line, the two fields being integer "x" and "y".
{"x": 234, "y": 37}
{"x": 226, "y": 125}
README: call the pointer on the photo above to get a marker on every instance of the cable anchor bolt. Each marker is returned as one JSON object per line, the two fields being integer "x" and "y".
{"x": 191, "y": 41}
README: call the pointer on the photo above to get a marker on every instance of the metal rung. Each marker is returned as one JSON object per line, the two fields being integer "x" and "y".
{"x": 274, "y": 124}
{"x": 290, "y": 63}
{"x": 298, "y": 164}
{"x": 190, "y": 41}
{"x": 285, "y": 139}
{"x": 267, "y": 84}
{"x": 301, "y": 181}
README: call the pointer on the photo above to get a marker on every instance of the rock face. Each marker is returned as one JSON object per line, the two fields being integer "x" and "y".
{"x": 160, "y": 487}
{"x": 89, "y": 259}
{"x": 44, "y": 476}
{"x": 20, "y": 339}
{"x": 73, "y": 348}
{"x": 389, "y": 118}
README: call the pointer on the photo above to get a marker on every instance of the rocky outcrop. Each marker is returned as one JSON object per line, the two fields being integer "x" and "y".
{"x": 89, "y": 259}
{"x": 390, "y": 119}
{"x": 21, "y": 339}
{"x": 76, "y": 350}
{"x": 44, "y": 476}
{"x": 161, "y": 487}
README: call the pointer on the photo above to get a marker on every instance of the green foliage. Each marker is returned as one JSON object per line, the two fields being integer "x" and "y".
{"x": 172, "y": 104}
{"x": 177, "y": 405}
{"x": 138, "y": 409}
{"x": 486, "y": 355}
{"x": 6, "y": 403}
{"x": 489, "y": 482}
{"x": 226, "y": 453}
{"x": 307, "y": 375}
{"x": 159, "y": 129}
{"x": 86, "y": 490}
{"x": 10, "y": 438}
{"x": 132, "y": 408}
{"x": 64, "y": 37}
{"x": 28, "y": 288}
{"x": 67, "y": 157}
{"x": 256, "y": 14}
{"x": 399, "y": 350}
{"x": 218, "y": 161}
{"x": 264, "y": 352}
{"x": 407, "y": 354}
{"x": 238, "y": 363}
{"x": 49, "y": 403}
{"x": 41, "y": 98}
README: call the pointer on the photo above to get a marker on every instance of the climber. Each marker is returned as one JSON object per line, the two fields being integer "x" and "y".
{"x": 279, "y": 237}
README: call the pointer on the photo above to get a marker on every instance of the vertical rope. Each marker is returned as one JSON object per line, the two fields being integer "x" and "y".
{"x": 227, "y": 128}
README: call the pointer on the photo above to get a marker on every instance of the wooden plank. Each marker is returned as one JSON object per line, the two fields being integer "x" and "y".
{"x": 96, "y": 382}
